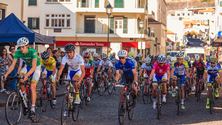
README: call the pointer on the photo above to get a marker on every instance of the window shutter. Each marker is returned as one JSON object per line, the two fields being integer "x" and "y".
{"x": 30, "y": 23}
{"x": 111, "y": 24}
{"x": 96, "y": 3}
{"x": 118, "y": 3}
{"x": 37, "y": 23}
{"x": 125, "y": 25}
{"x": 32, "y": 2}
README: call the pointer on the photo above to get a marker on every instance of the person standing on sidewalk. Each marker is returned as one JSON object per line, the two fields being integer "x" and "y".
{"x": 3, "y": 66}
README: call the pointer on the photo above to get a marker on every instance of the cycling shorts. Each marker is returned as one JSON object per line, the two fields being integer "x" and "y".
{"x": 182, "y": 77}
{"x": 126, "y": 79}
{"x": 210, "y": 78}
{"x": 157, "y": 78}
{"x": 48, "y": 73}
{"x": 71, "y": 74}
{"x": 35, "y": 74}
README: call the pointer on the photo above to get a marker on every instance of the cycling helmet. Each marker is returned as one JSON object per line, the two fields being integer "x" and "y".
{"x": 140, "y": 55}
{"x": 197, "y": 57}
{"x": 161, "y": 58}
{"x": 168, "y": 57}
{"x": 104, "y": 56}
{"x": 137, "y": 58}
{"x": 45, "y": 55}
{"x": 86, "y": 54}
{"x": 130, "y": 54}
{"x": 95, "y": 55}
{"x": 179, "y": 55}
{"x": 22, "y": 41}
{"x": 187, "y": 58}
{"x": 69, "y": 47}
{"x": 147, "y": 60}
{"x": 130, "y": 57}
{"x": 122, "y": 53}
{"x": 213, "y": 59}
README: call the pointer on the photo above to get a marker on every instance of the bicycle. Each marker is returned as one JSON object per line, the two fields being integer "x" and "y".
{"x": 200, "y": 86}
{"x": 103, "y": 83}
{"x": 159, "y": 96}
{"x": 46, "y": 94}
{"x": 68, "y": 104}
{"x": 16, "y": 102}
{"x": 146, "y": 91}
{"x": 212, "y": 92}
{"x": 83, "y": 91}
{"x": 126, "y": 104}
{"x": 187, "y": 89}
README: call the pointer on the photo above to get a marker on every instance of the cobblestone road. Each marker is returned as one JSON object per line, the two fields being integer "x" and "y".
{"x": 102, "y": 110}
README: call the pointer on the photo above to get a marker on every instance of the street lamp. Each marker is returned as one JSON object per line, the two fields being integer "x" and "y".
{"x": 152, "y": 32}
{"x": 141, "y": 28}
{"x": 109, "y": 10}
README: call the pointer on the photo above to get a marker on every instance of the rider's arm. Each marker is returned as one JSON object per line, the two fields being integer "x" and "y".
{"x": 205, "y": 75}
{"x": 20, "y": 65}
{"x": 60, "y": 70}
{"x": 187, "y": 72}
{"x": 117, "y": 75}
{"x": 34, "y": 62}
{"x": 141, "y": 71}
{"x": 135, "y": 75}
{"x": 11, "y": 68}
{"x": 83, "y": 72}
{"x": 99, "y": 68}
{"x": 152, "y": 73}
{"x": 172, "y": 71}
{"x": 168, "y": 74}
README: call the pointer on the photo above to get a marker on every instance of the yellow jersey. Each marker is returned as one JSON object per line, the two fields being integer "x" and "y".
{"x": 48, "y": 65}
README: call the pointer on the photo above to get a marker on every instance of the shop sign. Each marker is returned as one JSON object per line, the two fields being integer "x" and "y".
{"x": 90, "y": 44}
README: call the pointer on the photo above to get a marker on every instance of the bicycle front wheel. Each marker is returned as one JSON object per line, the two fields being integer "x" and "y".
{"x": 122, "y": 109}
{"x": 13, "y": 109}
{"x": 130, "y": 108}
{"x": 145, "y": 94}
{"x": 102, "y": 88}
{"x": 158, "y": 105}
{"x": 110, "y": 88}
{"x": 75, "y": 113}
{"x": 44, "y": 96}
{"x": 38, "y": 109}
{"x": 211, "y": 100}
{"x": 65, "y": 110}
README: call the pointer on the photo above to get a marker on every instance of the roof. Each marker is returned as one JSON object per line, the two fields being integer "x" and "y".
{"x": 170, "y": 41}
{"x": 196, "y": 42}
{"x": 207, "y": 10}
{"x": 170, "y": 32}
{"x": 193, "y": 22}
{"x": 192, "y": 32}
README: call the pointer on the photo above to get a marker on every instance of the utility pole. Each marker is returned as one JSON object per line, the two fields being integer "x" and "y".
{"x": 22, "y": 9}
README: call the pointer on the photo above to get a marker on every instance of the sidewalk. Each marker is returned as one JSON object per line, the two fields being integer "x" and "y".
{"x": 59, "y": 93}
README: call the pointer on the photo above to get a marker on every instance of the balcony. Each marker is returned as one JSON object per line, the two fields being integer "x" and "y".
{"x": 151, "y": 14}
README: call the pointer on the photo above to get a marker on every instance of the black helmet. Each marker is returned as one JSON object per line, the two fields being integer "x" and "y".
{"x": 137, "y": 58}
{"x": 69, "y": 47}
{"x": 45, "y": 55}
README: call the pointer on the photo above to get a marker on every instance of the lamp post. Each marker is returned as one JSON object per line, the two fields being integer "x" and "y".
{"x": 156, "y": 44}
{"x": 141, "y": 29}
{"x": 152, "y": 32}
{"x": 109, "y": 10}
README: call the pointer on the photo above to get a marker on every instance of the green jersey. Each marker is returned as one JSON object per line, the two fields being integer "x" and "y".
{"x": 31, "y": 54}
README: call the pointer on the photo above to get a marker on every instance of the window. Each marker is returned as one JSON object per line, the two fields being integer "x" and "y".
{"x": 33, "y": 23}
{"x": 118, "y": 3}
{"x": 188, "y": 14}
{"x": 183, "y": 14}
{"x": 198, "y": 24}
{"x": 178, "y": 14}
{"x": 58, "y": 0}
{"x": 57, "y": 20}
{"x": 32, "y": 2}
{"x": 96, "y": 3}
{"x": 89, "y": 24}
{"x": 0, "y": 14}
{"x": 220, "y": 3}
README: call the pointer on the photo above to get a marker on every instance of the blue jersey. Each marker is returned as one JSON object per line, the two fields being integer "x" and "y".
{"x": 212, "y": 70}
{"x": 127, "y": 67}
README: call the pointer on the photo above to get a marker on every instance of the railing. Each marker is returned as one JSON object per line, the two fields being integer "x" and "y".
{"x": 93, "y": 30}
{"x": 142, "y": 6}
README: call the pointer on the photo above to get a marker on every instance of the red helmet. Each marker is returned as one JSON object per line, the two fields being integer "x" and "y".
{"x": 86, "y": 54}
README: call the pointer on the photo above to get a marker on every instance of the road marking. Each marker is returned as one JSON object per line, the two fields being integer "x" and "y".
{"x": 52, "y": 119}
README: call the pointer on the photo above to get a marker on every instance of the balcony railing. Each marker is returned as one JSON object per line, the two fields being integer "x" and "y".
{"x": 142, "y": 6}
{"x": 93, "y": 30}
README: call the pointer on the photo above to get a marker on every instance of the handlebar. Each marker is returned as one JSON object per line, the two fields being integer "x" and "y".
{"x": 69, "y": 80}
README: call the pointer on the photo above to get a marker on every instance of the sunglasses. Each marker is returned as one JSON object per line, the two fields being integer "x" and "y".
{"x": 212, "y": 63}
{"x": 104, "y": 58}
{"x": 12, "y": 48}
{"x": 4, "y": 51}
{"x": 121, "y": 57}
{"x": 86, "y": 57}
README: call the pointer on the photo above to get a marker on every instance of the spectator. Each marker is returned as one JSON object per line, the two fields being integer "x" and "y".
{"x": 59, "y": 51}
{"x": 49, "y": 50}
{"x": 65, "y": 70}
{"x": 3, "y": 66}
{"x": 56, "y": 56}
{"x": 113, "y": 56}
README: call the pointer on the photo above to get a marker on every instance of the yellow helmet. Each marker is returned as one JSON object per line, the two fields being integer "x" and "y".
{"x": 213, "y": 59}
{"x": 130, "y": 53}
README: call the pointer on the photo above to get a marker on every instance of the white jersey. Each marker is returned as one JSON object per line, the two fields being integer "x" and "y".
{"x": 106, "y": 64}
{"x": 75, "y": 63}
{"x": 147, "y": 68}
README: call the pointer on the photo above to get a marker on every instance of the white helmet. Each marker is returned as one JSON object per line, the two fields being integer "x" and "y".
{"x": 197, "y": 57}
{"x": 130, "y": 57}
{"x": 147, "y": 60}
{"x": 95, "y": 55}
{"x": 122, "y": 53}
{"x": 140, "y": 55}
{"x": 161, "y": 58}
{"x": 104, "y": 56}
{"x": 187, "y": 58}
{"x": 22, "y": 41}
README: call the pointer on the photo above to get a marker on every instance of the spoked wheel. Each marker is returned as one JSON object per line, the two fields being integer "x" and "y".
{"x": 211, "y": 101}
{"x": 122, "y": 109}
{"x": 51, "y": 100}
{"x": 75, "y": 112}
{"x": 178, "y": 102}
{"x": 158, "y": 105}
{"x": 198, "y": 92}
{"x": 130, "y": 108}
{"x": 145, "y": 94}
{"x": 151, "y": 94}
{"x": 44, "y": 96}
{"x": 102, "y": 88}
{"x": 82, "y": 95}
{"x": 65, "y": 110}
{"x": 110, "y": 88}
{"x": 38, "y": 108}
{"x": 13, "y": 109}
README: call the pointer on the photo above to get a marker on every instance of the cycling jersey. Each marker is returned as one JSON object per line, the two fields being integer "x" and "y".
{"x": 134, "y": 61}
{"x": 48, "y": 65}
{"x": 189, "y": 64}
{"x": 180, "y": 68}
{"x": 148, "y": 68}
{"x": 31, "y": 54}
{"x": 75, "y": 63}
{"x": 96, "y": 62}
{"x": 88, "y": 67}
{"x": 169, "y": 63}
{"x": 199, "y": 66}
{"x": 160, "y": 70}
{"x": 213, "y": 70}
{"x": 113, "y": 61}
{"x": 106, "y": 64}
{"x": 127, "y": 67}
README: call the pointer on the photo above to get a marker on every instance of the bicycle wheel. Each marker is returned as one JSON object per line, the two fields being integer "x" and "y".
{"x": 145, "y": 94}
{"x": 151, "y": 94}
{"x": 13, "y": 109}
{"x": 211, "y": 100}
{"x": 122, "y": 109}
{"x": 82, "y": 95}
{"x": 50, "y": 97}
{"x": 38, "y": 108}
{"x": 130, "y": 108}
{"x": 158, "y": 104}
{"x": 198, "y": 92}
{"x": 110, "y": 88}
{"x": 44, "y": 96}
{"x": 102, "y": 88}
{"x": 178, "y": 101}
{"x": 75, "y": 112}
{"x": 65, "y": 109}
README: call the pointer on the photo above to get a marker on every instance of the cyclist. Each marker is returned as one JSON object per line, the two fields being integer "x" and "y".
{"x": 32, "y": 68}
{"x": 147, "y": 67}
{"x": 199, "y": 65}
{"x": 108, "y": 67}
{"x": 89, "y": 71}
{"x": 169, "y": 62}
{"x": 96, "y": 62}
{"x": 49, "y": 71}
{"x": 140, "y": 55}
{"x": 137, "y": 58}
{"x": 179, "y": 67}
{"x": 130, "y": 56}
{"x": 76, "y": 68}
{"x": 212, "y": 71}
{"x": 129, "y": 73}
{"x": 187, "y": 58}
